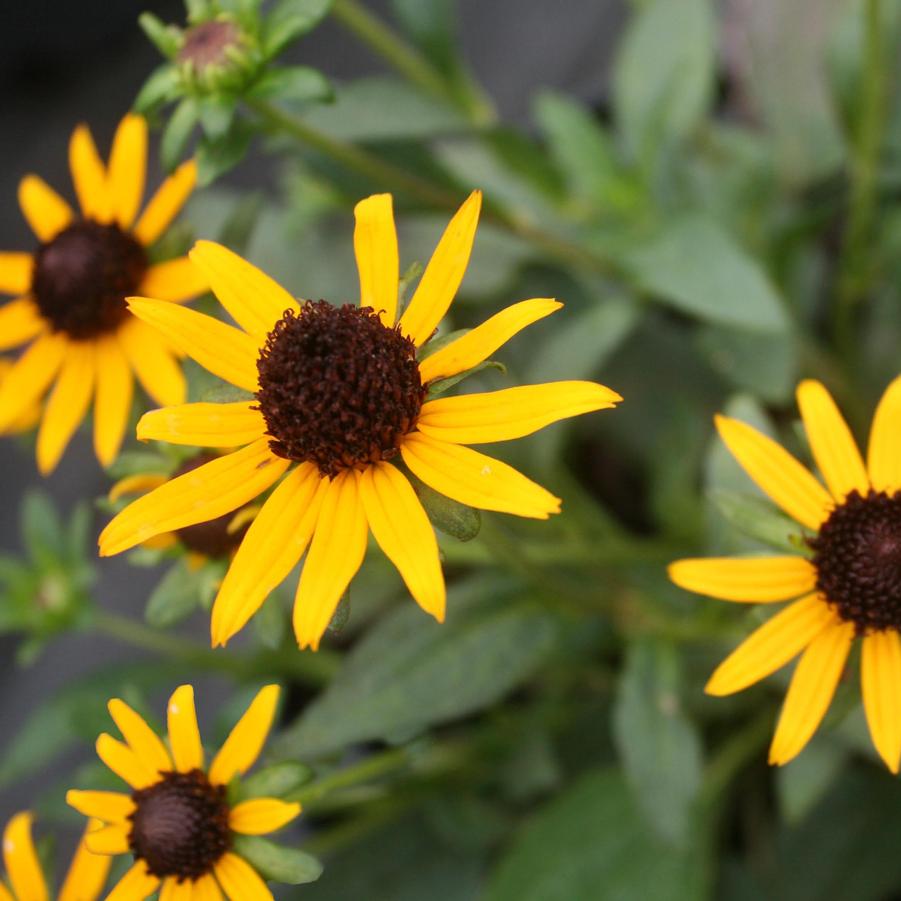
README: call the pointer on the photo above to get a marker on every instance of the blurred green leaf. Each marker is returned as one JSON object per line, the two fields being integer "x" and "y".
{"x": 759, "y": 519}
{"x": 177, "y": 133}
{"x": 166, "y": 38}
{"x": 276, "y": 781}
{"x": 161, "y": 87}
{"x": 295, "y": 84}
{"x": 217, "y": 156}
{"x": 289, "y": 20}
{"x": 176, "y": 596}
{"x": 42, "y": 530}
{"x": 450, "y": 516}
{"x": 805, "y": 782}
{"x": 290, "y": 866}
{"x": 216, "y": 113}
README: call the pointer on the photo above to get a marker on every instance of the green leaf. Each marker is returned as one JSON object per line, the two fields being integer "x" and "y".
{"x": 175, "y": 597}
{"x": 161, "y": 87}
{"x": 805, "y": 783}
{"x": 589, "y": 843}
{"x": 177, "y": 133}
{"x": 166, "y": 38}
{"x": 216, "y": 113}
{"x": 410, "y": 672}
{"x": 42, "y": 530}
{"x": 697, "y": 267}
{"x": 757, "y": 518}
{"x": 289, "y": 20}
{"x": 658, "y": 744}
{"x": 450, "y": 516}
{"x": 276, "y": 781}
{"x": 279, "y": 864}
{"x": 295, "y": 84}
{"x": 216, "y": 157}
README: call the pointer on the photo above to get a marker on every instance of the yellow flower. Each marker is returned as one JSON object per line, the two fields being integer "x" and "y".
{"x": 178, "y": 821}
{"x": 340, "y": 391}
{"x": 30, "y": 417}
{"x": 84, "y": 881}
{"x": 851, "y": 586}
{"x": 70, "y": 296}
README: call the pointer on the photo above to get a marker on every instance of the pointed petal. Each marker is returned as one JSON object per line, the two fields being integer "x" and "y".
{"x": 810, "y": 693}
{"x": 16, "y": 269}
{"x": 67, "y": 405}
{"x": 136, "y": 885}
{"x": 167, "y": 203}
{"x": 207, "y": 889}
{"x": 87, "y": 873}
{"x": 335, "y": 555}
{"x": 89, "y": 176}
{"x": 777, "y": 473}
{"x": 254, "y": 300}
{"x": 779, "y": 640}
{"x": 375, "y": 247}
{"x": 184, "y": 734}
{"x": 177, "y": 891}
{"x": 47, "y": 213}
{"x": 222, "y": 349}
{"x": 884, "y": 454}
{"x": 124, "y": 762}
{"x": 239, "y": 880}
{"x": 175, "y": 280}
{"x": 204, "y": 425}
{"x": 204, "y": 493}
{"x": 880, "y": 669}
{"x": 153, "y": 362}
{"x": 442, "y": 276}
{"x": 246, "y": 740}
{"x": 269, "y": 551}
{"x": 140, "y": 737}
{"x": 19, "y": 322}
{"x": 24, "y": 385}
{"x": 260, "y": 816}
{"x": 110, "y": 807}
{"x": 476, "y": 346}
{"x": 404, "y": 533}
{"x": 475, "y": 479}
{"x": 136, "y": 484}
{"x": 110, "y": 840}
{"x": 21, "y": 859}
{"x": 128, "y": 169}
{"x": 112, "y": 405}
{"x": 745, "y": 579}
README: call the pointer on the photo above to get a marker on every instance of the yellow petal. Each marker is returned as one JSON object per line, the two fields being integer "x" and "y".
{"x": 269, "y": 551}
{"x": 108, "y": 840}
{"x": 89, "y": 176}
{"x": 472, "y": 348}
{"x": 4, "y": 893}
{"x": 375, "y": 247}
{"x": 136, "y": 484}
{"x": 67, "y": 405}
{"x": 87, "y": 873}
{"x": 204, "y": 493}
{"x": 880, "y": 669}
{"x": 261, "y": 816}
{"x": 204, "y": 425}
{"x": 47, "y": 213}
{"x": 140, "y": 737}
{"x": 222, "y": 349}
{"x": 26, "y": 382}
{"x": 115, "y": 388}
{"x": 136, "y": 885}
{"x": 777, "y": 473}
{"x": 442, "y": 276}
{"x": 22, "y": 865}
{"x": 510, "y": 413}
{"x": 207, "y": 889}
{"x": 184, "y": 734}
{"x": 175, "y": 280}
{"x": 110, "y": 807}
{"x": 811, "y": 690}
{"x": 884, "y": 453}
{"x": 335, "y": 555}
{"x": 404, "y": 533}
{"x": 831, "y": 442}
{"x": 255, "y": 301}
{"x": 177, "y": 891}
{"x": 745, "y": 579}
{"x": 128, "y": 169}
{"x": 153, "y": 362}
{"x": 20, "y": 321}
{"x": 124, "y": 762}
{"x": 475, "y": 479}
{"x": 771, "y": 645}
{"x": 15, "y": 272}
{"x": 167, "y": 203}
{"x": 239, "y": 880}
{"x": 246, "y": 740}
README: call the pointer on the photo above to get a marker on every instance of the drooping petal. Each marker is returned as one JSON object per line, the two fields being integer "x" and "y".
{"x": 87, "y": 873}
{"x": 335, "y": 555}
{"x": 204, "y": 493}
{"x": 777, "y": 473}
{"x": 402, "y": 529}
{"x": 220, "y": 348}
{"x": 115, "y": 389}
{"x": 67, "y": 405}
{"x": 745, "y": 579}
{"x": 472, "y": 348}
{"x": 110, "y": 807}
{"x": 184, "y": 734}
{"x": 140, "y": 737}
{"x": 375, "y": 248}
{"x": 136, "y": 885}
{"x": 124, "y": 762}
{"x": 16, "y": 269}
{"x": 207, "y": 889}
{"x": 269, "y": 551}
{"x": 30, "y": 377}
{"x": 254, "y": 300}
{"x": 811, "y": 690}
{"x": 175, "y": 280}
{"x": 46, "y": 212}
{"x": 246, "y": 740}
{"x": 128, "y": 169}
{"x": 441, "y": 279}
{"x": 153, "y": 363}
{"x": 204, "y": 424}
{"x": 880, "y": 670}
{"x": 475, "y": 479}
{"x": 772, "y": 645}
{"x": 884, "y": 453}
{"x": 109, "y": 840}
{"x": 831, "y": 442}
{"x": 89, "y": 176}
{"x": 20, "y": 321}
{"x": 167, "y": 203}
{"x": 21, "y": 860}
{"x": 260, "y": 816}
{"x": 239, "y": 880}
{"x": 136, "y": 484}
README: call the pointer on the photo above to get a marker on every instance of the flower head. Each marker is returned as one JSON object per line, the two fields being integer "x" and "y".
{"x": 341, "y": 397}
{"x": 70, "y": 292}
{"x": 850, "y": 587}
{"x": 180, "y": 821}
{"x": 84, "y": 881}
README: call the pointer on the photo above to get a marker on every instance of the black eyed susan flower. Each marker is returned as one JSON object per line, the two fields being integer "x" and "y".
{"x": 341, "y": 396}
{"x": 84, "y": 881}
{"x": 850, "y": 586}
{"x": 69, "y": 304}
{"x": 178, "y": 821}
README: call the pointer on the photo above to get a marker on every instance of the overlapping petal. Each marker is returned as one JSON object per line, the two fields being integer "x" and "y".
{"x": 378, "y": 262}
{"x": 20, "y": 321}
{"x": 16, "y": 269}
{"x": 204, "y": 424}
{"x": 21, "y": 860}
{"x": 745, "y": 579}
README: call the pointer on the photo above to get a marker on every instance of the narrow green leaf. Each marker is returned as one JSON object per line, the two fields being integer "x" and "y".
{"x": 289, "y": 20}
{"x": 166, "y": 38}
{"x": 176, "y": 596}
{"x": 216, "y": 157}
{"x": 276, "y": 781}
{"x": 295, "y": 84}
{"x": 757, "y": 518}
{"x": 177, "y": 133}
{"x": 161, "y": 87}
{"x": 450, "y": 516}
{"x": 290, "y": 866}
